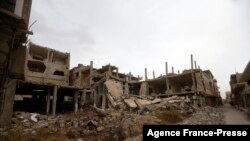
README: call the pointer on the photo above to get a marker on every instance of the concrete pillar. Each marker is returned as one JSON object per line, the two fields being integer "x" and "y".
{"x": 103, "y": 101}
{"x": 129, "y": 78}
{"x": 172, "y": 69}
{"x": 178, "y": 71}
{"x": 95, "y": 98}
{"x": 195, "y": 66}
{"x": 248, "y": 100}
{"x": 75, "y": 102}
{"x": 166, "y": 64}
{"x": 107, "y": 75}
{"x": 199, "y": 67}
{"x": 54, "y": 100}
{"x": 195, "y": 103}
{"x": 126, "y": 89}
{"x": 146, "y": 74}
{"x": 154, "y": 74}
{"x": 48, "y": 102}
{"x": 91, "y": 72}
{"x": 244, "y": 100}
{"x": 50, "y": 54}
{"x": 193, "y": 80}
{"x": 192, "y": 67}
{"x": 117, "y": 72}
{"x": 167, "y": 83}
{"x": 83, "y": 99}
{"x": 109, "y": 68}
{"x": 6, "y": 102}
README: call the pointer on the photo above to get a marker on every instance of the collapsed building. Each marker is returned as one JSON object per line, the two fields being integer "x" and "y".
{"x": 240, "y": 87}
{"x": 99, "y": 84}
{"x": 107, "y": 86}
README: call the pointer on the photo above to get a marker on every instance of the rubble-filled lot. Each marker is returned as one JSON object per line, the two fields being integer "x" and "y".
{"x": 123, "y": 122}
{"x": 206, "y": 115}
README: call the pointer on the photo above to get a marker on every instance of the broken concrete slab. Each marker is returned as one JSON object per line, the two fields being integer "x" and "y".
{"x": 175, "y": 101}
{"x": 99, "y": 129}
{"x": 100, "y": 112}
{"x": 115, "y": 89}
{"x": 33, "y": 117}
{"x": 142, "y": 102}
{"x": 157, "y": 100}
{"x": 131, "y": 103}
{"x": 111, "y": 100}
{"x": 169, "y": 98}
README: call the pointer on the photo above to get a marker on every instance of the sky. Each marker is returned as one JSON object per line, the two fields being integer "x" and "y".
{"x": 138, "y": 34}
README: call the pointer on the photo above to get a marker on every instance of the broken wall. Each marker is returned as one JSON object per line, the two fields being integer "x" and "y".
{"x": 157, "y": 86}
{"x": 115, "y": 88}
{"x": 46, "y": 66}
{"x": 80, "y": 76}
{"x": 181, "y": 83}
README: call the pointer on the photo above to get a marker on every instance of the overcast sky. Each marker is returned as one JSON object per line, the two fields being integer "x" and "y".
{"x": 134, "y": 34}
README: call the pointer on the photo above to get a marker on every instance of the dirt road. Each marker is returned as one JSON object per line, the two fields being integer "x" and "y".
{"x": 234, "y": 116}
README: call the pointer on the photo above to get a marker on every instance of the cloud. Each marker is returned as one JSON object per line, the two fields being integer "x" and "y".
{"x": 145, "y": 33}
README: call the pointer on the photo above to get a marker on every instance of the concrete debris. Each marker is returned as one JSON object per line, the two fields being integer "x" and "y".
{"x": 175, "y": 101}
{"x": 80, "y": 139}
{"x": 205, "y": 115}
{"x": 130, "y": 102}
{"x": 137, "y": 138}
{"x": 157, "y": 100}
{"x": 99, "y": 129}
{"x": 116, "y": 124}
{"x": 150, "y": 105}
{"x": 131, "y": 125}
{"x": 114, "y": 89}
{"x": 92, "y": 123}
{"x": 33, "y": 117}
{"x": 100, "y": 112}
{"x": 142, "y": 102}
{"x": 111, "y": 100}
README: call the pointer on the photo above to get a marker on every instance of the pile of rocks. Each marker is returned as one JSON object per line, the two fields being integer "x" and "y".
{"x": 123, "y": 121}
{"x": 206, "y": 115}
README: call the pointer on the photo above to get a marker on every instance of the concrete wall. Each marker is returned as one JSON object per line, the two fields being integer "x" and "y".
{"x": 80, "y": 76}
{"x": 46, "y": 66}
{"x": 21, "y": 8}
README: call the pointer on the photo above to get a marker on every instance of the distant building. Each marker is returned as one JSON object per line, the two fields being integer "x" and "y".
{"x": 240, "y": 87}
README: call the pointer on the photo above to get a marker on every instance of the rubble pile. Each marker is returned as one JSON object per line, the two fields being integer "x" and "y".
{"x": 117, "y": 123}
{"x": 206, "y": 115}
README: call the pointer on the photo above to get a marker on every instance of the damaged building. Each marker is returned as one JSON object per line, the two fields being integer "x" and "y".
{"x": 39, "y": 78}
{"x": 46, "y": 81}
{"x": 100, "y": 84}
{"x": 240, "y": 88}
{"x": 106, "y": 87}
{"x": 195, "y": 85}
{"x": 13, "y": 35}
{"x": 50, "y": 85}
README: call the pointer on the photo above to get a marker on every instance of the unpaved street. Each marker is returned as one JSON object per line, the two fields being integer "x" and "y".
{"x": 234, "y": 116}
